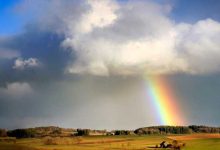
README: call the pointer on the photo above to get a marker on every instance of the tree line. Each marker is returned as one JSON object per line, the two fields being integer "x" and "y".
{"x": 177, "y": 130}
{"x": 56, "y": 131}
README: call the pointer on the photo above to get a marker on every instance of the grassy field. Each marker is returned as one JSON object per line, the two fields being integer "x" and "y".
{"x": 193, "y": 142}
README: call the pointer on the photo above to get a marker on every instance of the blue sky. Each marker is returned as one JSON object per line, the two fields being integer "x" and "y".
{"x": 9, "y": 21}
{"x": 183, "y": 10}
{"x": 193, "y": 10}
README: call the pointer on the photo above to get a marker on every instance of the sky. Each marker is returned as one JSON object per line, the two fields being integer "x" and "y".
{"x": 86, "y": 64}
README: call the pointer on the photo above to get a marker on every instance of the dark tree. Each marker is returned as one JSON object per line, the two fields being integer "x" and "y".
{"x": 21, "y": 133}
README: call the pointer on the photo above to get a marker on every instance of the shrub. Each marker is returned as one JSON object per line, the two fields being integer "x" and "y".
{"x": 3, "y": 133}
{"x": 82, "y": 132}
{"x": 122, "y": 132}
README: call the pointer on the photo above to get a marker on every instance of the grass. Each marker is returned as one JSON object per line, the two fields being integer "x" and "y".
{"x": 203, "y": 144}
{"x": 133, "y": 142}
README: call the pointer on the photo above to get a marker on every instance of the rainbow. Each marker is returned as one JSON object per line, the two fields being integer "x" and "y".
{"x": 164, "y": 101}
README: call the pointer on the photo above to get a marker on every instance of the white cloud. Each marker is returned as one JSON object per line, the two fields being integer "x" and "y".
{"x": 16, "y": 90}
{"x": 138, "y": 37}
{"x": 21, "y": 64}
{"x": 99, "y": 16}
{"x": 199, "y": 46}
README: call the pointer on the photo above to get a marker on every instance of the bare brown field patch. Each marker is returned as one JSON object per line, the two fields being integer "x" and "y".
{"x": 107, "y": 141}
{"x": 194, "y": 136}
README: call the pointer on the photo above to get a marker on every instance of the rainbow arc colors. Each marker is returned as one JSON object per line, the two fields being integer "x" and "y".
{"x": 164, "y": 101}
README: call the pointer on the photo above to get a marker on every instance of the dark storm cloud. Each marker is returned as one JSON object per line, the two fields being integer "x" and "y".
{"x": 29, "y": 94}
{"x": 41, "y": 39}
{"x": 35, "y": 43}
{"x": 25, "y": 90}
{"x": 198, "y": 97}
{"x": 86, "y": 102}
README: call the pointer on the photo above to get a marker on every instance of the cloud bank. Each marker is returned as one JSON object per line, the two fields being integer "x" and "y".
{"x": 138, "y": 37}
{"x": 124, "y": 37}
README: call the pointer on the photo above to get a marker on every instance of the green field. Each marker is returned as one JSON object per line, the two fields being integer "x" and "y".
{"x": 193, "y": 142}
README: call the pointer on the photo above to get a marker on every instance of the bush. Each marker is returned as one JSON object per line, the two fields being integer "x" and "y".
{"x": 3, "y": 133}
{"x": 82, "y": 132}
{"x": 122, "y": 132}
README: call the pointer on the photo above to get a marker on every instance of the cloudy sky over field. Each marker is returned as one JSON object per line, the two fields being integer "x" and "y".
{"x": 82, "y": 63}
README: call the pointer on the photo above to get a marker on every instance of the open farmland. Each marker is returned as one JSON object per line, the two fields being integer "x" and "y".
{"x": 193, "y": 142}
